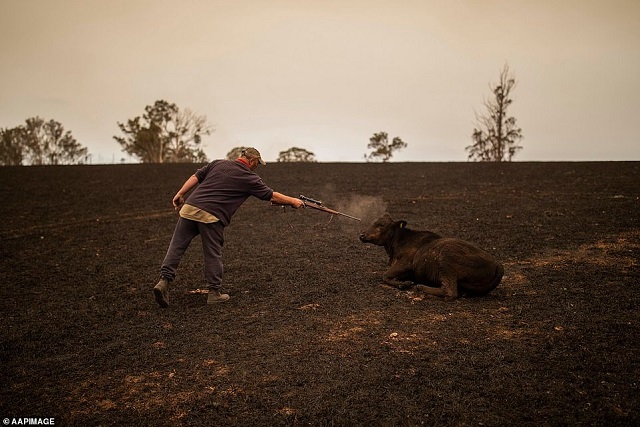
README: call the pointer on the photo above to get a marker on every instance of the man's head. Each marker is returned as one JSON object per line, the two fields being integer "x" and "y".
{"x": 253, "y": 156}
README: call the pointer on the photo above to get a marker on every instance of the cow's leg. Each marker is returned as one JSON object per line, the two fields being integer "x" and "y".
{"x": 448, "y": 288}
{"x": 396, "y": 275}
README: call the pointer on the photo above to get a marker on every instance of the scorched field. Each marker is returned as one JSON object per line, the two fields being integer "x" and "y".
{"x": 310, "y": 335}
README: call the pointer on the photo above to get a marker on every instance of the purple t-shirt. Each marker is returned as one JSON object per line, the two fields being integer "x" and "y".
{"x": 224, "y": 185}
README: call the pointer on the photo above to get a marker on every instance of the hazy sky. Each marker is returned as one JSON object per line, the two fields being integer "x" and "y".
{"x": 325, "y": 75}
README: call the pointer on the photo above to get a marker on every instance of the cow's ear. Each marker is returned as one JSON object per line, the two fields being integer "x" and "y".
{"x": 402, "y": 223}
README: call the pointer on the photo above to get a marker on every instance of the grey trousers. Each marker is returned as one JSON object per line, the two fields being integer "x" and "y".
{"x": 212, "y": 236}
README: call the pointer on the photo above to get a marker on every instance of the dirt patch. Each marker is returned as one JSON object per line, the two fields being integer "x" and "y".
{"x": 311, "y": 336}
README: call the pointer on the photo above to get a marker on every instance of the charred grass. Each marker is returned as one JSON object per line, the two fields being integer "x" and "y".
{"x": 310, "y": 336}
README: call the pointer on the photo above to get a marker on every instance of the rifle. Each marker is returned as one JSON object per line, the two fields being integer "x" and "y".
{"x": 317, "y": 204}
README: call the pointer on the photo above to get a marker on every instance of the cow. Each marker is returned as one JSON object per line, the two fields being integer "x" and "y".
{"x": 442, "y": 266}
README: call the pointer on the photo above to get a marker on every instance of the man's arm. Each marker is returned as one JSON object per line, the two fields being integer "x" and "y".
{"x": 178, "y": 199}
{"x": 281, "y": 199}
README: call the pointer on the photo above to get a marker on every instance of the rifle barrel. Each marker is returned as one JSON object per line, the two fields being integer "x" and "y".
{"x": 348, "y": 216}
{"x": 331, "y": 211}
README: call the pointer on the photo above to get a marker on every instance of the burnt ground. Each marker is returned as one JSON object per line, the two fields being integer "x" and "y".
{"x": 311, "y": 336}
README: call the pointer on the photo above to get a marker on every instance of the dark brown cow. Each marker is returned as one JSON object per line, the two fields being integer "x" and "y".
{"x": 442, "y": 266}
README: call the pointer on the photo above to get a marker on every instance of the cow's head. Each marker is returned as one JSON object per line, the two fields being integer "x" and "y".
{"x": 381, "y": 231}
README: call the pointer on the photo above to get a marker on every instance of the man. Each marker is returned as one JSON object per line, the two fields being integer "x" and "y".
{"x": 222, "y": 186}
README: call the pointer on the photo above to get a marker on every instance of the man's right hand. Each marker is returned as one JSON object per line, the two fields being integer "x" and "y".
{"x": 297, "y": 203}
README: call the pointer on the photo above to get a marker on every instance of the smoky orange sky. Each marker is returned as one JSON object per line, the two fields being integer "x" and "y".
{"x": 326, "y": 75}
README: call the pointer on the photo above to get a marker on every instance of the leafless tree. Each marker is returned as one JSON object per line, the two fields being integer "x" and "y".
{"x": 495, "y": 139}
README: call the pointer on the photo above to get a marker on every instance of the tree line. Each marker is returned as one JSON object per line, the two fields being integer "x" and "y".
{"x": 166, "y": 134}
{"x": 40, "y": 142}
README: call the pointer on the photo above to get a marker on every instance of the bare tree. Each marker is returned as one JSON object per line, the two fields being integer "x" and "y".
{"x": 496, "y": 137}
{"x": 382, "y": 148}
{"x": 296, "y": 154}
{"x": 165, "y": 134}
{"x": 186, "y": 140}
